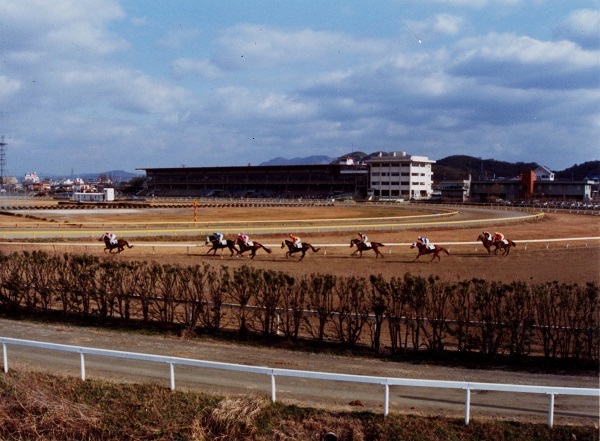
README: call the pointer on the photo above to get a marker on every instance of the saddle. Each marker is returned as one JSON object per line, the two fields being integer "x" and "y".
{"x": 223, "y": 242}
{"x": 430, "y": 246}
{"x": 249, "y": 243}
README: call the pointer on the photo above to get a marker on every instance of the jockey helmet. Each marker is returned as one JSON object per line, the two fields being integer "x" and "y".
{"x": 360, "y": 234}
{"x": 419, "y": 237}
{"x": 291, "y": 235}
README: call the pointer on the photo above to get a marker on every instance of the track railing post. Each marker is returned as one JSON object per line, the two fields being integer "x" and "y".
{"x": 386, "y": 400}
{"x": 273, "y": 389}
{"x": 82, "y": 364}
{"x": 172, "y": 374}
{"x": 467, "y": 406}
{"x": 5, "y": 357}
{"x": 551, "y": 411}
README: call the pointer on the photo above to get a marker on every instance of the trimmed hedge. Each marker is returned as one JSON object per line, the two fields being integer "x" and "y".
{"x": 401, "y": 314}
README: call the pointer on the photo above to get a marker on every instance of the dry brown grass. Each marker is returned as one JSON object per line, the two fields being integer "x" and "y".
{"x": 46, "y": 407}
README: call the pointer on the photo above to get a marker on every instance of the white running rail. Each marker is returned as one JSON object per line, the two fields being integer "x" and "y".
{"x": 274, "y": 372}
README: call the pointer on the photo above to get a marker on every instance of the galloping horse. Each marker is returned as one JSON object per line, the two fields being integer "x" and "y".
{"x": 294, "y": 249}
{"x": 505, "y": 245}
{"x": 488, "y": 243}
{"x": 217, "y": 245}
{"x": 252, "y": 248}
{"x": 120, "y": 245}
{"x": 425, "y": 249}
{"x": 360, "y": 247}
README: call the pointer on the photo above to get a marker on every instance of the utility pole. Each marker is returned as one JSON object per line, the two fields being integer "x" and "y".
{"x": 3, "y": 170}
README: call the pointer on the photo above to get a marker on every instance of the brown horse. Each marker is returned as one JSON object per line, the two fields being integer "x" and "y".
{"x": 360, "y": 247}
{"x": 217, "y": 245}
{"x": 119, "y": 246}
{"x": 294, "y": 249}
{"x": 488, "y": 243}
{"x": 505, "y": 245}
{"x": 252, "y": 248}
{"x": 424, "y": 249}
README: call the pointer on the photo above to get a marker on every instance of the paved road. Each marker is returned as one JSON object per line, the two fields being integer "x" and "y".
{"x": 524, "y": 407}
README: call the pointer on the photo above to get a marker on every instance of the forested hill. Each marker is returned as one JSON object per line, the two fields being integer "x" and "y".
{"x": 460, "y": 166}
{"x": 577, "y": 172}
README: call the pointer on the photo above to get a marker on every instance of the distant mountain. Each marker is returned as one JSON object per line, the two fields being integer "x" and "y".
{"x": 461, "y": 166}
{"x": 579, "y": 172}
{"x": 310, "y": 160}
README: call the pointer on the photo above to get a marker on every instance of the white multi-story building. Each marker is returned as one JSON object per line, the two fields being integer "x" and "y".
{"x": 396, "y": 175}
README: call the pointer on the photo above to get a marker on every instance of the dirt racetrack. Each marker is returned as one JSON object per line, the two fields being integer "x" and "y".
{"x": 568, "y": 261}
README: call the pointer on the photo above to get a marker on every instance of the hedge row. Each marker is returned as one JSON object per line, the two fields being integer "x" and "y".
{"x": 408, "y": 313}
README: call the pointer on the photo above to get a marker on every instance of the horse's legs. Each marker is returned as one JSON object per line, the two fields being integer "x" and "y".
{"x": 303, "y": 254}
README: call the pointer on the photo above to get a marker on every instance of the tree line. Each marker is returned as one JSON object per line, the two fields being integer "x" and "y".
{"x": 398, "y": 314}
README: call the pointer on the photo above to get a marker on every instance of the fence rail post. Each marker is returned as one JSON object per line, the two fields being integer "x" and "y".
{"x": 386, "y": 400}
{"x": 467, "y": 406}
{"x": 172, "y": 373}
{"x": 551, "y": 411}
{"x": 273, "y": 390}
{"x": 82, "y": 363}
{"x": 5, "y": 357}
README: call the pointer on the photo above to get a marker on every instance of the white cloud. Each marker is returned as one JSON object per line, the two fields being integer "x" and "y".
{"x": 581, "y": 26}
{"x": 189, "y": 66}
{"x": 260, "y": 47}
{"x": 60, "y": 25}
{"x": 8, "y": 86}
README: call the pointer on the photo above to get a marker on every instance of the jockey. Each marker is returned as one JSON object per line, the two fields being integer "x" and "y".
{"x": 112, "y": 237}
{"x": 423, "y": 240}
{"x": 219, "y": 237}
{"x": 488, "y": 236}
{"x": 498, "y": 237}
{"x": 364, "y": 239}
{"x": 296, "y": 241}
{"x": 244, "y": 238}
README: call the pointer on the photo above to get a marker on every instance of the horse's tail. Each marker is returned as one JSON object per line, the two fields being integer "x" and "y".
{"x": 127, "y": 243}
{"x": 313, "y": 248}
{"x": 445, "y": 250}
{"x": 379, "y": 244}
{"x": 268, "y": 250}
{"x": 513, "y": 244}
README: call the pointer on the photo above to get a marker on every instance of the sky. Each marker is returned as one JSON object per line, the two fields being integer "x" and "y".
{"x": 97, "y": 85}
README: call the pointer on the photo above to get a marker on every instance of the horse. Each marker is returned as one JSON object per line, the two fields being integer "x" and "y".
{"x": 360, "y": 247}
{"x": 488, "y": 243}
{"x": 120, "y": 245}
{"x": 505, "y": 245}
{"x": 424, "y": 249}
{"x": 217, "y": 245}
{"x": 294, "y": 249}
{"x": 252, "y": 248}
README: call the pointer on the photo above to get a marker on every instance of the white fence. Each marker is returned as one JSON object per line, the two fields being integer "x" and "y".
{"x": 386, "y": 382}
